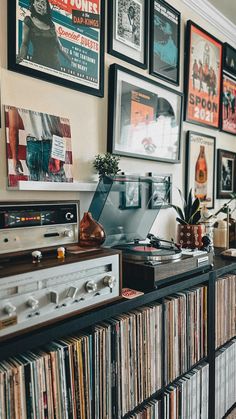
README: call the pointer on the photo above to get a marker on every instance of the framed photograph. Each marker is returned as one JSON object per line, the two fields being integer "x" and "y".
{"x": 225, "y": 174}
{"x": 38, "y": 148}
{"x": 164, "y": 41}
{"x": 144, "y": 117}
{"x": 202, "y": 77}
{"x": 228, "y": 104}
{"x": 127, "y": 26}
{"x": 229, "y": 58}
{"x": 160, "y": 191}
{"x": 58, "y": 41}
{"x": 131, "y": 197}
{"x": 200, "y": 175}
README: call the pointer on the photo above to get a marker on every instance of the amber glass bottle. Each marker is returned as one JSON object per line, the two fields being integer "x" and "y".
{"x": 91, "y": 232}
{"x": 200, "y": 189}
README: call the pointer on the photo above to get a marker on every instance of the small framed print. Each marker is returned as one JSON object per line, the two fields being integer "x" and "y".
{"x": 144, "y": 117}
{"x": 131, "y": 197}
{"x": 226, "y": 161}
{"x": 160, "y": 191}
{"x": 127, "y": 23}
{"x": 228, "y": 105}
{"x": 58, "y": 41}
{"x": 164, "y": 41}
{"x": 229, "y": 59}
{"x": 200, "y": 174}
{"x": 203, "y": 75}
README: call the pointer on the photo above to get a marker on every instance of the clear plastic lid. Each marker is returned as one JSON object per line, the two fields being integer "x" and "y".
{"x": 127, "y": 206}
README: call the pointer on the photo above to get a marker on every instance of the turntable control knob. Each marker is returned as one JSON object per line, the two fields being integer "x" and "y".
{"x": 54, "y": 297}
{"x": 68, "y": 233}
{"x": 69, "y": 216}
{"x": 9, "y": 309}
{"x": 91, "y": 286}
{"x": 32, "y": 303}
{"x": 72, "y": 291}
{"x": 109, "y": 281}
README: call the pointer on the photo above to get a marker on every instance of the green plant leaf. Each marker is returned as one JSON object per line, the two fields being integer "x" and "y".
{"x": 181, "y": 221}
{"x": 178, "y": 210}
{"x": 194, "y": 209}
{"x": 189, "y": 203}
{"x": 196, "y": 217}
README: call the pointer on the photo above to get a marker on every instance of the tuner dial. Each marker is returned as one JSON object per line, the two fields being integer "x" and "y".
{"x": 9, "y": 309}
{"x": 109, "y": 281}
{"x": 69, "y": 216}
{"x": 91, "y": 286}
{"x": 32, "y": 303}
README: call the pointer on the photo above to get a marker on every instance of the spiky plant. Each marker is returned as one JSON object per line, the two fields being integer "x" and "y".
{"x": 106, "y": 165}
{"x": 191, "y": 212}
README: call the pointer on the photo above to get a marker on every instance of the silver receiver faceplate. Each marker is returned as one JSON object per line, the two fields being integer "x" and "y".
{"x": 26, "y": 226}
{"x": 30, "y": 299}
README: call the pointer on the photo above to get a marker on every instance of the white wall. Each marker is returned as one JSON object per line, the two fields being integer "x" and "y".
{"x": 90, "y": 138}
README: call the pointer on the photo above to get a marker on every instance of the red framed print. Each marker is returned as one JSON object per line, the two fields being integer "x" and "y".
{"x": 203, "y": 77}
{"x": 228, "y": 111}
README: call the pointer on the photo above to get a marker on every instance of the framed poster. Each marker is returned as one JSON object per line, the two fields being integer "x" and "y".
{"x": 202, "y": 77}
{"x": 160, "y": 191}
{"x": 38, "y": 147}
{"x": 226, "y": 161}
{"x": 164, "y": 41}
{"x": 229, "y": 58}
{"x": 127, "y": 36}
{"x": 200, "y": 175}
{"x": 228, "y": 104}
{"x": 131, "y": 197}
{"x": 144, "y": 117}
{"x": 58, "y": 41}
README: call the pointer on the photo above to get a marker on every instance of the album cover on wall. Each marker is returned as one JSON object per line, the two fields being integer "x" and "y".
{"x": 38, "y": 147}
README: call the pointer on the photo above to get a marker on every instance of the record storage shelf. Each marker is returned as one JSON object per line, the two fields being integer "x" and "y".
{"x": 43, "y": 335}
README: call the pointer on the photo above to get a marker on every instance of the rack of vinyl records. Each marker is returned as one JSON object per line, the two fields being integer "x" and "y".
{"x": 225, "y": 306}
{"x": 118, "y": 368}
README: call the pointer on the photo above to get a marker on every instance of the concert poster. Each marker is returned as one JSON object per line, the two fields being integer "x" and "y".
{"x": 58, "y": 41}
{"x": 228, "y": 117}
{"x": 204, "y": 77}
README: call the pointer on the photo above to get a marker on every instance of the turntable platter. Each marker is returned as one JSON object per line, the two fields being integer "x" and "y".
{"x": 145, "y": 253}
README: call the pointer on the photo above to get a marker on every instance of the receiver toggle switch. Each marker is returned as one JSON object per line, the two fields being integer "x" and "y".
{"x": 72, "y": 291}
{"x": 54, "y": 297}
{"x": 32, "y": 303}
{"x": 9, "y": 309}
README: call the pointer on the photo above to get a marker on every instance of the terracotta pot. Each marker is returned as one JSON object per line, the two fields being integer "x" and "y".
{"x": 190, "y": 236}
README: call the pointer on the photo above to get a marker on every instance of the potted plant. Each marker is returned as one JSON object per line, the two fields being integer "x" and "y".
{"x": 106, "y": 165}
{"x": 189, "y": 229}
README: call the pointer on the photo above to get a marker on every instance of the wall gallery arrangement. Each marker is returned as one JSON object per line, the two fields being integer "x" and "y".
{"x": 63, "y": 42}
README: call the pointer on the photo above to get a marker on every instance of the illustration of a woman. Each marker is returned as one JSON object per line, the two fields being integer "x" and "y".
{"x": 40, "y": 31}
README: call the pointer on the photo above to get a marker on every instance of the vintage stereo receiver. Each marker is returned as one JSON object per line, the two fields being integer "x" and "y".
{"x": 26, "y": 226}
{"x": 50, "y": 289}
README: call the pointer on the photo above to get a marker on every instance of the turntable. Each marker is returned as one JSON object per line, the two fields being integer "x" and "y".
{"x": 127, "y": 207}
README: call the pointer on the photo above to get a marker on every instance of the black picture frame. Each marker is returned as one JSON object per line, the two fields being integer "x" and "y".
{"x": 229, "y": 58}
{"x": 131, "y": 197}
{"x": 118, "y": 44}
{"x": 202, "y": 185}
{"x": 203, "y": 77}
{"x": 76, "y": 67}
{"x": 226, "y": 173}
{"x": 228, "y": 104}
{"x": 144, "y": 117}
{"x": 164, "y": 18}
{"x": 160, "y": 191}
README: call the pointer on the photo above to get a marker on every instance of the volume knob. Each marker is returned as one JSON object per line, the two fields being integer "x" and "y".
{"x": 109, "y": 281}
{"x": 32, "y": 303}
{"x": 9, "y": 309}
{"x": 91, "y": 286}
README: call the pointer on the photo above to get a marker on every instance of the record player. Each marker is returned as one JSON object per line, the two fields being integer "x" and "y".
{"x": 127, "y": 207}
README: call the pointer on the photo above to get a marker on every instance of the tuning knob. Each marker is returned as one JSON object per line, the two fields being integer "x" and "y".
{"x": 9, "y": 309}
{"x": 91, "y": 286}
{"x": 109, "y": 281}
{"x": 68, "y": 233}
{"x": 69, "y": 216}
{"x": 32, "y": 303}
